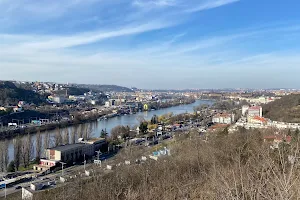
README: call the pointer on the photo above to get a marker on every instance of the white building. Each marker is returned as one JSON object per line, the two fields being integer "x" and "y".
{"x": 107, "y": 104}
{"x": 58, "y": 99}
{"x": 244, "y": 109}
{"x": 223, "y": 118}
{"x": 255, "y": 111}
{"x": 93, "y": 102}
{"x": 29, "y": 193}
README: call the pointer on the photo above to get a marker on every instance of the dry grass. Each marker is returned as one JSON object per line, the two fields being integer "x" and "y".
{"x": 237, "y": 166}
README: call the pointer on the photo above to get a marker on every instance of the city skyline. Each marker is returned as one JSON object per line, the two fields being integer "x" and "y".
{"x": 158, "y": 44}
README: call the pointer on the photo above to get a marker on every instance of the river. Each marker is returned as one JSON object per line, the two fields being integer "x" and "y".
{"x": 130, "y": 120}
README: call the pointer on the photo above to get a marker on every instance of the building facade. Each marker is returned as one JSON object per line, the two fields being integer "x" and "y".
{"x": 255, "y": 111}
{"x": 223, "y": 118}
{"x": 70, "y": 153}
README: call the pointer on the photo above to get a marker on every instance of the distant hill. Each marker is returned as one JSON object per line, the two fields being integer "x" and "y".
{"x": 107, "y": 88}
{"x": 286, "y": 109}
{"x": 10, "y": 94}
{"x": 72, "y": 91}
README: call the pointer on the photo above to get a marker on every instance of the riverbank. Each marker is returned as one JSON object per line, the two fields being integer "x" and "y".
{"x": 78, "y": 119}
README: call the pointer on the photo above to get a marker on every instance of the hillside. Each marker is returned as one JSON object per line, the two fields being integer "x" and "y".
{"x": 10, "y": 94}
{"x": 236, "y": 166}
{"x": 286, "y": 109}
{"x": 107, "y": 88}
{"x": 72, "y": 91}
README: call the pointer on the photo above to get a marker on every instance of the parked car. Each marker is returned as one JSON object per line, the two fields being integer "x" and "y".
{"x": 18, "y": 187}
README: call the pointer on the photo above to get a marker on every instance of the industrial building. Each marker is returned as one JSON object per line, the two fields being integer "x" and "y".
{"x": 70, "y": 153}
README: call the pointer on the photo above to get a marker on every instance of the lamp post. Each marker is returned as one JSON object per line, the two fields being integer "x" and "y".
{"x": 98, "y": 156}
{"x": 84, "y": 162}
{"x": 62, "y": 168}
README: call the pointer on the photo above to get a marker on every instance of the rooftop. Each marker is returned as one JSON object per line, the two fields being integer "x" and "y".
{"x": 222, "y": 115}
{"x": 255, "y": 108}
{"x": 95, "y": 140}
{"x": 278, "y": 137}
{"x": 262, "y": 119}
{"x": 67, "y": 147}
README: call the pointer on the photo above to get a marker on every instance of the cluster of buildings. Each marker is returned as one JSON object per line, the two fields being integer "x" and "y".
{"x": 254, "y": 114}
{"x": 17, "y": 108}
{"x": 89, "y": 97}
{"x": 260, "y": 100}
{"x": 46, "y": 87}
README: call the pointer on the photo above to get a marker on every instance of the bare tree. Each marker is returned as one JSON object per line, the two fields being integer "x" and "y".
{"x": 58, "y": 137}
{"x": 29, "y": 154}
{"x": 5, "y": 158}
{"x": 88, "y": 132}
{"x": 81, "y": 132}
{"x": 38, "y": 145}
{"x": 26, "y": 150}
{"x": 66, "y": 137}
{"x": 46, "y": 140}
{"x": 1, "y": 156}
{"x": 73, "y": 135}
{"x": 17, "y": 151}
{"x": 122, "y": 131}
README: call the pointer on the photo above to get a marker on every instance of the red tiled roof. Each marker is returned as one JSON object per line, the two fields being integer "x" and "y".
{"x": 216, "y": 126}
{"x": 278, "y": 137}
{"x": 260, "y": 119}
{"x": 255, "y": 108}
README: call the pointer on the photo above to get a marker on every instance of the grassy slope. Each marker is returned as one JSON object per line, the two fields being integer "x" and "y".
{"x": 237, "y": 166}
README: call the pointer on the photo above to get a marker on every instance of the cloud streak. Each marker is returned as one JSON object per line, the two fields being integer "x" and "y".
{"x": 134, "y": 37}
{"x": 210, "y": 4}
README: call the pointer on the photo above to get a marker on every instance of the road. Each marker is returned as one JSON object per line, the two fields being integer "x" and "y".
{"x": 70, "y": 170}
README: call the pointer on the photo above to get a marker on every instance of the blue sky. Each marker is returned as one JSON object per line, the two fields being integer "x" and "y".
{"x": 155, "y": 44}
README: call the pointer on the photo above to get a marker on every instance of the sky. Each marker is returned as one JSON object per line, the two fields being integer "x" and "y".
{"x": 152, "y": 44}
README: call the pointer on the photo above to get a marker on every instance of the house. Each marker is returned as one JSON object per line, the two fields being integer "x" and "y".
{"x": 22, "y": 103}
{"x": 257, "y": 120}
{"x": 255, "y": 111}
{"x": 107, "y": 104}
{"x": 177, "y": 126}
{"x": 3, "y": 109}
{"x": 45, "y": 165}
{"x": 275, "y": 140}
{"x": 17, "y": 109}
{"x": 57, "y": 99}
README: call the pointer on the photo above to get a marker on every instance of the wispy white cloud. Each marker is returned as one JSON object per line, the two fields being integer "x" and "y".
{"x": 92, "y": 37}
{"x": 115, "y": 42}
{"x": 146, "y": 4}
{"x": 209, "y": 5}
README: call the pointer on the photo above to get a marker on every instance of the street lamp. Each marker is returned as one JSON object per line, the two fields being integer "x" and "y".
{"x": 98, "y": 157}
{"x": 84, "y": 162}
{"x": 62, "y": 167}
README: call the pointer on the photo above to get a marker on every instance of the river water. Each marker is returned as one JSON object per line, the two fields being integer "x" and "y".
{"x": 130, "y": 120}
